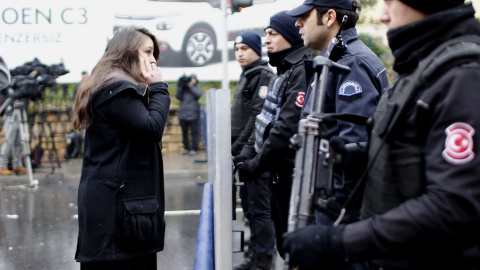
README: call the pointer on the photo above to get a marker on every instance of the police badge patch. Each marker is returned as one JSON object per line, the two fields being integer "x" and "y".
{"x": 263, "y": 91}
{"x": 349, "y": 88}
{"x": 459, "y": 144}
{"x": 239, "y": 39}
{"x": 300, "y": 99}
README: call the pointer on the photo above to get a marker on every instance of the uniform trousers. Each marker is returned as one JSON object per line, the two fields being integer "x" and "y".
{"x": 281, "y": 188}
{"x": 342, "y": 191}
{"x": 259, "y": 208}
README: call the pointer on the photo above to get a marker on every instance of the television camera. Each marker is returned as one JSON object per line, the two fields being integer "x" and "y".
{"x": 28, "y": 83}
{"x": 183, "y": 81}
{"x": 31, "y": 79}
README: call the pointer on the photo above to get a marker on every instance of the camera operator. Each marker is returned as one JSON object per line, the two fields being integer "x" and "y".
{"x": 188, "y": 92}
{"x": 28, "y": 83}
{"x": 11, "y": 142}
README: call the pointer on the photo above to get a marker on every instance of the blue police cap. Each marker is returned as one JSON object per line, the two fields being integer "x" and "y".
{"x": 310, "y": 4}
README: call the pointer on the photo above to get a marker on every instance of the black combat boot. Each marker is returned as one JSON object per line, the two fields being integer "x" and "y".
{"x": 250, "y": 262}
{"x": 264, "y": 262}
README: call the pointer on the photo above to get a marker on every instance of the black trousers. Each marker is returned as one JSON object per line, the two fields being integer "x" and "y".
{"x": 191, "y": 125}
{"x": 245, "y": 205}
{"x": 281, "y": 188}
{"x": 148, "y": 262}
{"x": 259, "y": 207}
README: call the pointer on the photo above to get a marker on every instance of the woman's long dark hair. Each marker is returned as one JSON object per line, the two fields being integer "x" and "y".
{"x": 121, "y": 56}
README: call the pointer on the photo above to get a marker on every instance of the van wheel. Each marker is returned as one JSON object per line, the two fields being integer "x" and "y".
{"x": 199, "y": 47}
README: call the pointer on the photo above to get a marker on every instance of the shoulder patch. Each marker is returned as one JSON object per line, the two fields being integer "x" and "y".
{"x": 263, "y": 91}
{"x": 350, "y": 88}
{"x": 459, "y": 144}
{"x": 300, "y": 99}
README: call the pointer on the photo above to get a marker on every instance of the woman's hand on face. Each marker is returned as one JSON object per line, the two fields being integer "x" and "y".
{"x": 152, "y": 73}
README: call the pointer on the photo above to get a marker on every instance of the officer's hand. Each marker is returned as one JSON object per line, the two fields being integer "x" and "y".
{"x": 353, "y": 157}
{"x": 244, "y": 169}
{"x": 238, "y": 160}
{"x": 236, "y": 148}
{"x": 314, "y": 246}
{"x": 338, "y": 144}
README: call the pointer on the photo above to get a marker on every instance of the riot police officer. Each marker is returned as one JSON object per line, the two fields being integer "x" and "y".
{"x": 421, "y": 203}
{"x": 248, "y": 99}
{"x": 268, "y": 147}
{"x": 356, "y": 92}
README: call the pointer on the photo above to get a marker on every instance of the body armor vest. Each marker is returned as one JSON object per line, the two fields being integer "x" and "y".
{"x": 397, "y": 175}
{"x": 271, "y": 109}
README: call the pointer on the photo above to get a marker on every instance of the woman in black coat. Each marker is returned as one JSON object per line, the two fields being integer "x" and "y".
{"x": 123, "y": 106}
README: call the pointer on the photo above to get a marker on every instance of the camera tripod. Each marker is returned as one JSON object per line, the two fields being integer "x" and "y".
{"x": 53, "y": 153}
{"x": 19, "y": 115}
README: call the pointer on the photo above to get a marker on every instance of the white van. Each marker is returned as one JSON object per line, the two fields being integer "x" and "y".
{"x": 189, "y": 31}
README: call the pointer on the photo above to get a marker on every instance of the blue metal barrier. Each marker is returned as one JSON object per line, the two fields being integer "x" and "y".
{"x": 204, "y": 256}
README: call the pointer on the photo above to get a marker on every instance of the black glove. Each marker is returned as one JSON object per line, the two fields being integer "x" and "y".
{"x": 239, "y": 159}
{"x": 315, "y": 246}
{"x": 242, "y": 163}
{"x": 245, "y": 171}
{"x": 337, "y": 144}
{"x": 354, "y": 157}
{"x": 236, "y": 148}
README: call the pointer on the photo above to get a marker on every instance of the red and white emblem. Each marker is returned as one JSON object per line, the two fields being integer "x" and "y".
{"x": 459, "y": 144}
{"x": 300, "y": 99}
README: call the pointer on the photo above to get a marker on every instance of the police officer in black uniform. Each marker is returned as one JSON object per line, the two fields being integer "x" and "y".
{"x": 248, "y": 99}
{"x": 421, "y": 203}
{"x": 356, "y": 92}
{"x": 268, "y": 147}
{"x": 251, "y": 90}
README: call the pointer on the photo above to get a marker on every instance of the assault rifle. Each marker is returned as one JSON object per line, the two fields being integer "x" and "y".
{"x": 315, "y": 160}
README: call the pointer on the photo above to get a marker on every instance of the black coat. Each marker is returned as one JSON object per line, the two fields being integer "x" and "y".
{"x": 189, "y": 108}
{"x": 121, "y": 199}
{"x": 248, "y": 99}
{"x": 436, "y": 225}
{"x": 276, "y": 152}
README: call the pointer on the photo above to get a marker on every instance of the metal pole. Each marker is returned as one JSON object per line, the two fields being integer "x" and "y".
{"x": 211, "y": 149}
{"x": 220, "y": 173}
{"x": 224, "y": 40}
{"x": 222, "y": 200}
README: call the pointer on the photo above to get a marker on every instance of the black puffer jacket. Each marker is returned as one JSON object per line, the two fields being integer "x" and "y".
{"x": 121, "y": 193}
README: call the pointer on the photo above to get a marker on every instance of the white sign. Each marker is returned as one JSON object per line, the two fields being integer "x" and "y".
{"x": 76, "y": 32}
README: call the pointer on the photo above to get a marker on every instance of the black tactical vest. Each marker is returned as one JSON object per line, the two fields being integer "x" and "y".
{"x": 397, "y": 175}
{"x": 271, "y": 109}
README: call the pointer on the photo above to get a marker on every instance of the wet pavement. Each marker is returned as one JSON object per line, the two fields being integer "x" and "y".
{"x": 38, "y": 226}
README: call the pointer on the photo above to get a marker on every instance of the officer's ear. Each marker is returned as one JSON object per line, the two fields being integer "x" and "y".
{"x": 330, "y": 18}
